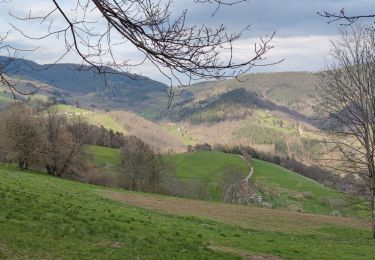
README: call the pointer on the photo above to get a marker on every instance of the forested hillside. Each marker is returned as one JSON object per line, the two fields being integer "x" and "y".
{"x": 291, "y": 89}
{"x": 74, "y": 83}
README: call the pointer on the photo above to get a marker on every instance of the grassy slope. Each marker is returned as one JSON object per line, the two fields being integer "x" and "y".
{"x": 288, "y": 190}
{"x": 207, "y": 167}
{"x": 285, "y": 189}
{"x": 104, "y": 155}
{"x": 49, "y": 218}
{"x": 105, "y": 159}
{"x": 175, "y": 130}
{"x": 96, "y": 118}
{"x": 204, "y": 166}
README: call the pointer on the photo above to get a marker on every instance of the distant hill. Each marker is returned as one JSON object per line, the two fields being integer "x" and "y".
{"x": 291, "y": 89}
{"x": 235, "y": 104}
{"x": 77, "y": 83}
{"x": 272, "y": 112}
{"x": 129, "y": 124}
{"x": 80, "y": 78}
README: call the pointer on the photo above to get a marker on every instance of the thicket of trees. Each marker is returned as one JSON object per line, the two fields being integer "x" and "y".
{"x": 101, "y": 136}
{"x": 143, "y": 168}
{"x": 41, "y": 140}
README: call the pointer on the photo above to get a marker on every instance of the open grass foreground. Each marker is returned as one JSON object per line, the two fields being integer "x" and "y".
{"x": 43, "y": 217}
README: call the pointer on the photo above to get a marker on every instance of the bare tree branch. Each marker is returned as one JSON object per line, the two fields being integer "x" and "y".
{"x": 342, "y": 16}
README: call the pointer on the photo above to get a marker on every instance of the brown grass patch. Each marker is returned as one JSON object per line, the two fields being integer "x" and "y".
{"x": 243, "y": 216}
{"x": 111, "y": 244}
{"x": 242, "y": 253}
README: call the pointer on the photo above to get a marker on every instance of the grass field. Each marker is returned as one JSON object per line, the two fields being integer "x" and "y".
{"x": 43, "y": 217}
{"x": 70, "y": 109}
{"x": 177, "y": 131}
{"x": 283, "y": 188}
{"x": 104, "y": 155}
{"x": 106, "y": 160}
{"x": 95, "y": 118}
{"x": 207, "y": 167}
{"x": 288, "y": 190}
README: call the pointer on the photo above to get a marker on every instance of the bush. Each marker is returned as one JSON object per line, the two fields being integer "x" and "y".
{"x": 97, "y": 178}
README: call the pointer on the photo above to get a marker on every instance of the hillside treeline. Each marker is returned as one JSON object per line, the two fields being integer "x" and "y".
{"x": 48, "y": 141}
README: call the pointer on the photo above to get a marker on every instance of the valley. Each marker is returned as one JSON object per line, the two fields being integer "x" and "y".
{"x": 204, "y": 145}
{"x": 205, "y": 129}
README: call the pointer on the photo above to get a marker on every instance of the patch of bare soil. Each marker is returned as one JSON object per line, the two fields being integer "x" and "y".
{"x": 111, "y": 244}
{"x": 242, "y": 253}
{"x": 244, "y": 216}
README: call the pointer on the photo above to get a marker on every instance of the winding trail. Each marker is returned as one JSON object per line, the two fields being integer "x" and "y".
{"x": 240, "y": 189}
{"x": 250, "y": 174}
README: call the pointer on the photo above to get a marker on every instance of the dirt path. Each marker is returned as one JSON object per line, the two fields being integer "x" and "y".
{"x": 244, "y": 216}
{"x": 240, "y": 192}
{"x": 250, "y": 174}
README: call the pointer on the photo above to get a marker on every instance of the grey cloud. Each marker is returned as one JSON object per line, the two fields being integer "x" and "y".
{"x": 287, "y": 17}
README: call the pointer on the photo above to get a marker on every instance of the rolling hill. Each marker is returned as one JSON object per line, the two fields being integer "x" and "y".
{"x": 291, "y": 191}
{"x": 57, "y": 218}
{"x": 291, "y": 89}
{"x": 98, "y": 118}
{"x": 76, "y": 83}
{"x": 231, "y": 105}
{"x": 127, "y": 123}
{"x": 272, "y": 112}
{"x": 207, "y": 168}
{"x": 276, "y": 185}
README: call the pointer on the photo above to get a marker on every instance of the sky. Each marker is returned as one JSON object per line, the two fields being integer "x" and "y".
{"x": 302, "y": 38}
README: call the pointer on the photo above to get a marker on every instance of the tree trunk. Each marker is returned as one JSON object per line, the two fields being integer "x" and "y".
{"x": 20, "y": 164}
{"x": 50, "y": 169}
{"x": 373, "y": 212}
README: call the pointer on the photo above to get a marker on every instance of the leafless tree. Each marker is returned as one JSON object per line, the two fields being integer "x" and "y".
{"x": 94, "y": 30}
{"x": 143, "y": 169}
{"x": 347, "y": 97}
{"x": 61, "y": 148}
{"x": 19, "y": 135}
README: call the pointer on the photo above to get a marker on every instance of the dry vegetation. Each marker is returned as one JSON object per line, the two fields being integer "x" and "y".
{"x": 148, "y": 131}
{"x": 261, "y": 131}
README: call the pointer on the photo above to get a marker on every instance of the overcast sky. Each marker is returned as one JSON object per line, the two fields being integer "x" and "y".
{"x": 302, "y": 37}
